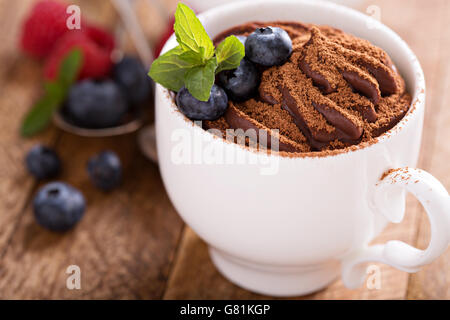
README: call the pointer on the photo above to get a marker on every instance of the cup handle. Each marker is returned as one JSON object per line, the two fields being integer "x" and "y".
{"x": 434, "y": 198}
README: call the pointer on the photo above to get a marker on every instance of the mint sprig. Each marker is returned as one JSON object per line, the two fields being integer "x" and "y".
{"x": 199, "y": 80}
{"x": 229, "y": 54}
{"x": 40, "y": 114}
{"x": 195, "y": 62}
{"x": 169, "y": 69}
{"x": 190, "y": 33}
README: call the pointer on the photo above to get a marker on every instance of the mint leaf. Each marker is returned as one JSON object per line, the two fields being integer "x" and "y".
{"x": 199, "y": 80}
{"x": 55, "y": 92}
{"x": 70, "y": 67}
{"x": 229, "y": 54}
{"x": 39, "y": 116}
{"x": 190, "y": 32}
{"x": 193, "y": 58}
{"x": 194, "y": 63}
{"x": 169, "y": 69}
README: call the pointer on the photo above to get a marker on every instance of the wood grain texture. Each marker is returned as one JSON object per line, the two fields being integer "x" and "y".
{"x": 433, "y": 282}
{"x": 193, "y": 259}
{"x": 19, "y": 79}
{"x": 125, "y": 243}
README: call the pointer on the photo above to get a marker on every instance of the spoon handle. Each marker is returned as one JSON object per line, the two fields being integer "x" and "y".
{"x": 125, "y": 10}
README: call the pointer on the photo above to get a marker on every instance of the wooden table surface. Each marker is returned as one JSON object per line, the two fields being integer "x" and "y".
{"x": 131, "y": 243}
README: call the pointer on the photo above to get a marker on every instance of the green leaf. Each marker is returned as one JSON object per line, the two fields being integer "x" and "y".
{"x": 193, "y": 58}
{"x": 55, "y": 93}
{"x": 55, "y": 90}
{"x": 169, "y": 69}
{"x": 194, "y": 62}
{"x": 229, "y": 54}
{"x": 190, "y": 33}
{"x": 39, "y": 116}
{"x": 70, "y": 68}
{"x": 199, "y": 80}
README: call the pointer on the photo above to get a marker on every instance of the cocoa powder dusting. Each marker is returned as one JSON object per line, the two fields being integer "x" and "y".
{"x": 273, "y": 116}
{"x": 334, "y": 92}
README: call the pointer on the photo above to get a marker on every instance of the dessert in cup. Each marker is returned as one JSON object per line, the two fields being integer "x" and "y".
{"x": 337, "y": 101}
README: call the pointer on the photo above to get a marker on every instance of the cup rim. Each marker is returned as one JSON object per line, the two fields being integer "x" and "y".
{"x": 418, "y": 94}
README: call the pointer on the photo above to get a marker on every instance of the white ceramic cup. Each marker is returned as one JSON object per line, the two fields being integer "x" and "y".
{"x": 293, "y": 232}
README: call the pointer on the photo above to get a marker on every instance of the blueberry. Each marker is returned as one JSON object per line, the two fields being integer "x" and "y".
{"x": 268, "y": 46}
{"x": 203, "y": 110}
{"x": 42, "y": 162}
{"x": 96, "y": 104}
{"x": 132, "y": 77}
{"x": 58, "y": 206}
{"x": 242, "y": 82}
{"x": 105, "y": 170}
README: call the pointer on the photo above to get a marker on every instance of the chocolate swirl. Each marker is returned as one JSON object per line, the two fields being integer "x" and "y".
{"x": 336, "y": 89}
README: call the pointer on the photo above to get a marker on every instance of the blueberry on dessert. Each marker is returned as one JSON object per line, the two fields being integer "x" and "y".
{"x": 202, "y": 110}
{"x": 268, "y": 46}
{"x": 242, "y": 82}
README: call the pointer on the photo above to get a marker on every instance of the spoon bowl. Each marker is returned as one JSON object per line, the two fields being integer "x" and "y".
{"x": 128, "y": 127}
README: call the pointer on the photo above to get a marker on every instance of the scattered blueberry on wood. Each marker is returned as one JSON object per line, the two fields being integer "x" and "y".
{"x": 43, "y": 162}
{"x": 105, "y": 170}
{"x": 58, "y": 206}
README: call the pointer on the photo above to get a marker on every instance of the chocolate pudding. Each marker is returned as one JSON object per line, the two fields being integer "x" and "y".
{"x": 335, "y": 91}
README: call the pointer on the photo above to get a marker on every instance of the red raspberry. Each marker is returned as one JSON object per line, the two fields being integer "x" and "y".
{"x": 45, "y": 24}
{"x": 96, "y": 46}
{"x": 101, "y": 37}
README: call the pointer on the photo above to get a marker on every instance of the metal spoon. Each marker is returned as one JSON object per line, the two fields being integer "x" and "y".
{"x": 129, "y": 127}
{"x": 129, "y": 24}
